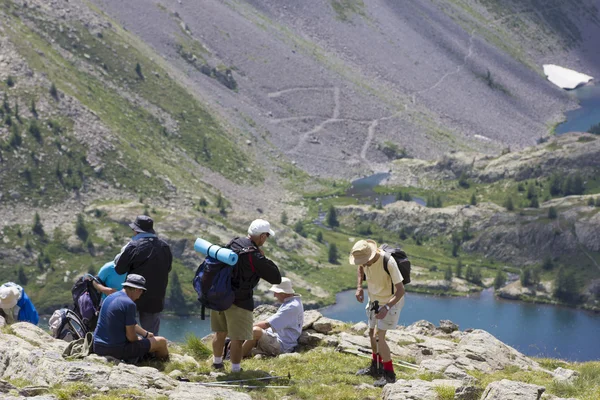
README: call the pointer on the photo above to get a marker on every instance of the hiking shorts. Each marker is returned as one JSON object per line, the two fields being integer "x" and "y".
{"x": 269, "y": 343}
{"x": 128, "y": 351}
{"x": 236, "y": 321}
{"x": 391, "y": 319}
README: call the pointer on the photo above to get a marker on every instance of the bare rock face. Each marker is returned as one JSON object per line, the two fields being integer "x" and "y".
{"x": 263, "y": 312}
{"x": 32, "y": 354}
{"x": 505, "y": 389}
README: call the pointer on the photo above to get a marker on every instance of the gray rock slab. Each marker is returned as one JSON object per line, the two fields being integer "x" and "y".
{"x": 310, "y": 317}
{"x": 505, "y": 389}
{"x": 416, "y": 389}
{"x": 194, "y": 391}
{"x": 565, "y": 375}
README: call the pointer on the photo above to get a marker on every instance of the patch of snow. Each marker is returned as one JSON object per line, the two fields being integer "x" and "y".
{"x": 487, "y": 139}
{"x": 565, "y": 78}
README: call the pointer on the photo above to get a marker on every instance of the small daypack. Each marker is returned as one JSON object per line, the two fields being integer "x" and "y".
{"x": 212, "y": 282}
{"x": 401, "y": 260}
{"x": 86, "y": 301}
{"x": 64, "y": 324}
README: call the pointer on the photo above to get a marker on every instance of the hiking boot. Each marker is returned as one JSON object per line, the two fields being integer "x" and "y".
{"x": 218, "y": 366}
{"x": 372, "y": 370}
{"x": 388, "y": 377}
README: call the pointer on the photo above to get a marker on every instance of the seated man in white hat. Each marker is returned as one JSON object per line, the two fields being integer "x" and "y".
{"x": 15, "y": 305}
{"x": 280, "y": 332}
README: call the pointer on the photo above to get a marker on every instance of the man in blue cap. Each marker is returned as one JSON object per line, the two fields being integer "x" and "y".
{"x": 150, "y": 257}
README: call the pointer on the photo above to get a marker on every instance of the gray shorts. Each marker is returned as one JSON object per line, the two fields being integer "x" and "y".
{"x": 391, "y": 319}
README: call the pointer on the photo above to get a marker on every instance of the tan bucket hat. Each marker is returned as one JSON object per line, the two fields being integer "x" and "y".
{"x": 362, "y": 252}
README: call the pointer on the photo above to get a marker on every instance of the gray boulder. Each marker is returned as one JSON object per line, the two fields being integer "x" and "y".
{"x": 417, "y": 389}
{"x": 310, "y": 317}
{"x": 325, "y": 325}
{"x": 448, "y": 326}
{"x": 563, "y": 375}
{"x": 505, "y": 389}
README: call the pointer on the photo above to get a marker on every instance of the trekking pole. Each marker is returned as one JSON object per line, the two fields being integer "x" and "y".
{"x": 375, "y": 307}
{"x": 398, "y": 363}
{"x": 264, "y": 378}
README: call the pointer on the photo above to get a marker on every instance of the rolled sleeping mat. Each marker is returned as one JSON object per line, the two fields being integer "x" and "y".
{"x": 215, "y": 251}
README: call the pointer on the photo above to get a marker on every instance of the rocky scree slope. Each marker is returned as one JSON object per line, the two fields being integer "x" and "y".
{"x": 334, "y": 84}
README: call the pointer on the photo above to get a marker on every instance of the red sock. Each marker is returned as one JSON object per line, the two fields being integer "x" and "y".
{"x": 388, "y": 366}
{"x": 375, "y": 355}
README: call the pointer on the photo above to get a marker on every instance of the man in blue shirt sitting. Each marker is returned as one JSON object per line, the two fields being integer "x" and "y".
{"x": 117, "y": 331}
{"x": 280, "y": 332}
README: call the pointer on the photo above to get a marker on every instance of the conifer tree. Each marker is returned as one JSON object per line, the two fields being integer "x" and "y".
{"x": 320, "y": 237}
{"x": 176, "y": 298}
{"x": 333, "y": 253}
{"x": 284, "y": 218}
{"x": 459, "y": 268}
{"x": 499, "y": 280}
{"x": 331, "y": 217}
{"x": 473, "y": 201}
{"x": 448, "y": 274}
{"x": 37, "y": 227}
{"x": 22, "y": 277}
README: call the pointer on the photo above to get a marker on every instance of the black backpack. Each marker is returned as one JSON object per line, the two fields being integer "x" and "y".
{"x": 66, "y": 325}
{"x": 86, "y": 301}
{"x": 212, "y": 282}
{"x": 401, "y": 259}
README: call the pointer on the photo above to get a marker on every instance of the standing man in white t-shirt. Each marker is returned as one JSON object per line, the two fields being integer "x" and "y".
{"x": 386, "y": 299}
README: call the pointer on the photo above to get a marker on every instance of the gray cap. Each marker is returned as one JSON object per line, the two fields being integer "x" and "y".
{"x": 135, "y": 281}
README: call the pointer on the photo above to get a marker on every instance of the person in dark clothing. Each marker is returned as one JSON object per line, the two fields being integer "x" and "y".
{"x": 237, "y": 321}
{"x": 150, "y": 257}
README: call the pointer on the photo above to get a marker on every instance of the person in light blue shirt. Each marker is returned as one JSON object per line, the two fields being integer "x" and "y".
{"x": 110, "y": 281}
{"x": 280, "y": 332}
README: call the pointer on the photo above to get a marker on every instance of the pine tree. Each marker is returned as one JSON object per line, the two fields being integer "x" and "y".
{"x": 22, "y": 277}
{"x": 284, "y": 218}
{"x": 556, "y": 182}
{"x": 531, "y": 192}
{"x": 333, "y": 254}
{"x": 33, "y": 109}
{"x": 320, "y": 237}
{"x": 469, "y": 273}
{"x": 10, "y": 82}
{"x": 473, "y": 201}
{"x": 459, "y": 268}
{"x": 547, "y": 264}
{"x": 80, "y": 228}
{"x": 37, "y": 227}
{"x": 138, "y": 71}
{"x": 508, "y": 204}
{"x": 565, "y": 286}
{"x": 534, "y": 203}
{"x": 53, "y": 91}
{"x": 525, "y": 277}
{"x": 331, "y": 217}
{"x": 299, "y": 228}
{"x": 202, "y": 202}
{"x": 176, "y": 298}
{"x": 499, "y": 280}
{"x": 463, "y": 181}
{"x": 552, "y": 214}
{"x": 448, "y": 274}
{"x": 477, "y": 276}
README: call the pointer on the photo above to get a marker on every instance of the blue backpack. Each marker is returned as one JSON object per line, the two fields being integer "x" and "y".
{"x": 212, "y": 282}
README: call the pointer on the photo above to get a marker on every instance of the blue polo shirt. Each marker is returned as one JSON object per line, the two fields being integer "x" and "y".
{"x": 110, "y": 278}
{"x": 117, "y": 312}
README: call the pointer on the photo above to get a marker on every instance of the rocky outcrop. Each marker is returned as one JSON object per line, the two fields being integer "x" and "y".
{"x": 31, "y": 355}
{"x": 28, "y": 354}
{"x": 506, "y": 389}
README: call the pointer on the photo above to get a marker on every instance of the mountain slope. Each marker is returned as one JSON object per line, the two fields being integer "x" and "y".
{"x": 335, "y": 82}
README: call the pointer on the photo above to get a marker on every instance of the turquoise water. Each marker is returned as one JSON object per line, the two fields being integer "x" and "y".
{"x": 533, "y": 329}
{"x": 588, "y": 114}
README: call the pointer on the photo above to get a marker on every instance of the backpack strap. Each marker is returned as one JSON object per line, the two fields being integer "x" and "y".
{"x": 251, "y": 262}
{"x": 386, "y": 258}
